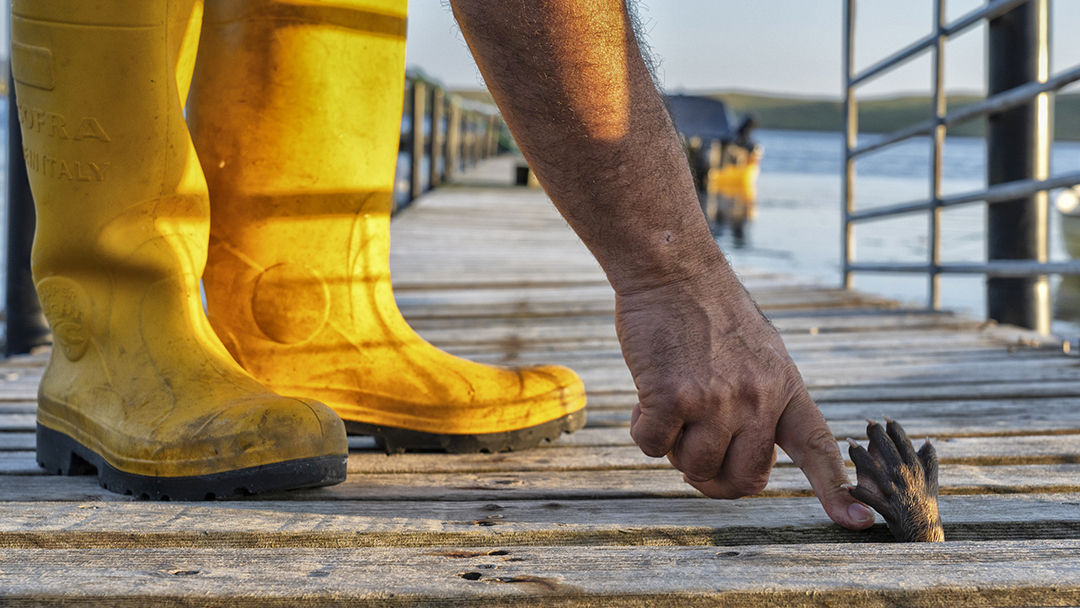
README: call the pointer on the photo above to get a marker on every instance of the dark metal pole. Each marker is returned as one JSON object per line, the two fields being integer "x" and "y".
{"x": 26, "y": 325}
{"x": 1018, "y": 148}
{"x": 851, "y": 140}
{"x": 938, "y": 142}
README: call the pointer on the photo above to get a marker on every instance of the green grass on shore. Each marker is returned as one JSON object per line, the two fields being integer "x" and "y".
{"x": 875, "y": 115}
{"x": 881, "y": 115}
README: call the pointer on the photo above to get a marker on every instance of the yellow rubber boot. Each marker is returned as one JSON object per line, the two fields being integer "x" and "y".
{"x": 295, "y": 111}
{"x": 138, "y": 386}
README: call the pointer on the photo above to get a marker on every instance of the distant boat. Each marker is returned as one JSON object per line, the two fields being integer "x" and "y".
{"x": 722, "y": 152}
{"x": 725, "y": 159}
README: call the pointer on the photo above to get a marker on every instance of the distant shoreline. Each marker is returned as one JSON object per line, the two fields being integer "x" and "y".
{"x": 875, "y": 115}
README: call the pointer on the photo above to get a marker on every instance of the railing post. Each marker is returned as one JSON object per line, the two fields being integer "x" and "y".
{"x": 470, "y": 138}
{"x": 437, "y": 137}
{"x": 453, "y": 140}
{"x": 492, "y": 136}
{"x": 934, "y": 238}
{"x": 851, "y": 137}
{"x": 26, "y": 325}
{"x": 419, "y": 92}
{"x": 1018, "y": 147}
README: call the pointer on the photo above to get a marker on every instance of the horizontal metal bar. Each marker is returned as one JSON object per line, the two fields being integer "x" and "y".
{"x": 995, "y": 268}
{"x": 894, "y": 60}
{"x": 990, "y": 11}
{"x": 991, "y": 105}
{"x": 994, "y": 194}
{"x": 1013, "y": 190}
{"x": 1012, "y": 98}
{"x": 915, "y": 130}
{"x": 890, "y": 210}
{"x": 888, "y": 267}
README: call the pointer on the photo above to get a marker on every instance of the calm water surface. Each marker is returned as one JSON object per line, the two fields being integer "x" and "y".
{"x": 797, "y": 229}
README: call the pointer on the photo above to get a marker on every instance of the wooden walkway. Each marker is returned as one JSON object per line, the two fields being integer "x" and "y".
{"x": 492, "y": 273}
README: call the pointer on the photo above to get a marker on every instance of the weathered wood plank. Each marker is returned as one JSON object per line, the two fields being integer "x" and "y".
{"x": 617, "y": 436}
{"x": 600, "y": 299}
{"x": 637, "y": 522}
{"x": 568, "y": 485}
{"x": 611, "y": 449}
{"x": 17, "y": 407}
{"x": 979, "y": 379}
{"x": 1059, "y": 449}
{"x": 16, "y": 422}
{"x": 921, "y": 418}
{"x": 13, "y": 445}
{"x": 1042, "y": 573}
{"x": 878, "y": 321}
{"x": 591, "y": 328}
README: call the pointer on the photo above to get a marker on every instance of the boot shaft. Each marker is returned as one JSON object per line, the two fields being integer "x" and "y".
{"x": 100, "y": 87}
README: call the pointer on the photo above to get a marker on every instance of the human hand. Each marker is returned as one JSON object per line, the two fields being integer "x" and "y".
{"x": 718, "y": 391}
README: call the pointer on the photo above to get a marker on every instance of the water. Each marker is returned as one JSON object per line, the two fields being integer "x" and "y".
{"x": 798, "y": 225}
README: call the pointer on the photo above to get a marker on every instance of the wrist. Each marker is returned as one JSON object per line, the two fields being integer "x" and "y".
{"x": 670, "y": 257}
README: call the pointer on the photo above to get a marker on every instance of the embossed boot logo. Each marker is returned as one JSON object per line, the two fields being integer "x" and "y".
{"x": 67, "y": 308}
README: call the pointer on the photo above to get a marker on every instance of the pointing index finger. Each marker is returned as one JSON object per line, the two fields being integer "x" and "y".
{"x": 803, "y": 433}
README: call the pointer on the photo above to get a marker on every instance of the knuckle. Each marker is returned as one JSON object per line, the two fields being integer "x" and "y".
{"x": 699, "y": 473}
{"x": 649, "y": 441}
{"x": 750, "y": 484}
{"x": 821, "y": 442}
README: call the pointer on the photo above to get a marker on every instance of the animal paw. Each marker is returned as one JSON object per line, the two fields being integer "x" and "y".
{"x": 898, "y": 482}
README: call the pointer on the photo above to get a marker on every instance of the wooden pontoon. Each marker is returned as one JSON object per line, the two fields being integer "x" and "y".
{"x": 493, "y": 273}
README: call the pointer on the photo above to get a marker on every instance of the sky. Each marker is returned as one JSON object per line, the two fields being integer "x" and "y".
{"x": 787, "y": 47}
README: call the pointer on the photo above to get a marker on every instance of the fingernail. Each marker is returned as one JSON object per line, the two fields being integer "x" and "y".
{"x": 860, "y": 513}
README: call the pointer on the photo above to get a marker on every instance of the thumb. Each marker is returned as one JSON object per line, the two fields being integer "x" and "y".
{"x": 804, "y": 435}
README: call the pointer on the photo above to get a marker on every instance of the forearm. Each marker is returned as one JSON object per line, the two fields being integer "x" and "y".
{"x": 575, "y": 91}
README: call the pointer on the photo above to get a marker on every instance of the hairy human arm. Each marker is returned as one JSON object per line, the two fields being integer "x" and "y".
{"x": 716, "y": 386}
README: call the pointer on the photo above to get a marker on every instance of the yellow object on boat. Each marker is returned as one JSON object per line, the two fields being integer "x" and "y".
{"x": 737, "y": 178}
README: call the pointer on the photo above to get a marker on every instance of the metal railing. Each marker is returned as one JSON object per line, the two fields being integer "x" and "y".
{"x": 450, "y": 132}
{"x": 1029, "y": 191}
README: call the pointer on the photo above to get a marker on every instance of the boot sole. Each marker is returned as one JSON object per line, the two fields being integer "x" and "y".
{"x": 396, "y": 440}
{"x": 58, "y": 453}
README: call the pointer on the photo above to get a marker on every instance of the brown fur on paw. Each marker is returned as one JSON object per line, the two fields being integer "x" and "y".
{"x": 898, "y": 482}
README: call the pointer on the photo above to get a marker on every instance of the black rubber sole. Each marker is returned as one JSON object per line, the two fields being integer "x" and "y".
{"x": 397, "y": 441}
{"x": 60, "y": 454}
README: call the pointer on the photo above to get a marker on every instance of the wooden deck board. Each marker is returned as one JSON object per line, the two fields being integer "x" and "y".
{"x": 493, "y": 274}
{"x": 963, "y": 573}
{"x": 627, "y": 522}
